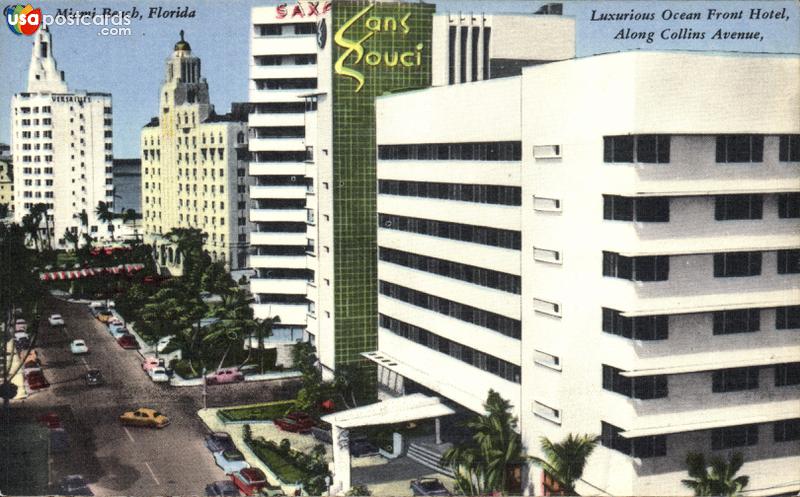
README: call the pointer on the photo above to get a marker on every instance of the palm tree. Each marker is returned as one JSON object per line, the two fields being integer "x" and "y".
{"x": 83, "y": 218}
{"x": 106, "y": 214}
{"x": 495, "y": 445}
{"x": 72, "y": 237}
{"x": 30, "y": 226}
{"x": 566, "y": 460}
{"x": 4, "y": 211}
{"x": 131, "y": 215}
{"x": 721, "y": 480}
{"x": 39, "y": 212}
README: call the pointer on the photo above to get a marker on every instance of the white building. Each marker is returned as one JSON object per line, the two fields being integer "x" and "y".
{"x": 652, "y": 221}
{"x": 299, "y": 187}
{"x": 62, "y": 148}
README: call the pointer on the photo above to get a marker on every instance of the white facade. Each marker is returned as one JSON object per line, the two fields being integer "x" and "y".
{"x": 62, "y": 148}
{"x": 674, "y": 333}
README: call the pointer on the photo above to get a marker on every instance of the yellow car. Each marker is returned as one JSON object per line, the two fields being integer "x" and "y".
{"x": 105, "y": 316}
{"x": 144, "y": 416}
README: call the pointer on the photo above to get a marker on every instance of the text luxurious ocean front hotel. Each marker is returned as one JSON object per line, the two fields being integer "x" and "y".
{"x": 619, "y": 258}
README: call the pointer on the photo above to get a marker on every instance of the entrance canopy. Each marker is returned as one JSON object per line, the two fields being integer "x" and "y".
{"x": 397, "y": 410}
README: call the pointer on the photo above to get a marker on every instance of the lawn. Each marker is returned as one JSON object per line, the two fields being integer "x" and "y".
{"x": 257, "y": 412}
{"x": 277, "y": 462}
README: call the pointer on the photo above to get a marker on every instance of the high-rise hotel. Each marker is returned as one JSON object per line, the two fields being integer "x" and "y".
{"x": 61, "y": 144}
{"x": 312, "y": 144}
{"x": 194, "y": 168}
{"x": 620, "y": 258}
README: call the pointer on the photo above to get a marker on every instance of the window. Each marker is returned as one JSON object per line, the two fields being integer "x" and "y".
{"x": 546, "y": 307}
{"x": 730, "y": 207}
{"x": 547, "y": 360}
{"x": 734, "y": 264}
{"x": 305, "y": 28}
{"x": 788, "y": 261}
{"x": 734, "y": 436}
{"x": 734, "y": 380}
{"x": 738, "y": 321}
{"x": 546, "y": 151}
{"x": 618, "y": 148}
{"x": 546, "y": 204}
{"x": 651, "y": 209}
{"x": 641, "y": 268}
{"x": 269, "y": 29}
{"x": 477, "y": 151}
{"x": 789, "y": 205}
{"x": 546, "y": 412}
{"x": 787, "y": 318}
{"x": 637, "y": 328}
{"x": 465, "y": 232}
{"x": 789, "y": 148}
{"x": 484, "y": 194}
{"x": 786, "y": 431}
{"x": 787, "y": 374}
{"x": 642, "y": 387}
{"x": 547, "y": 255}
{"x": 740, "y": 148}
{"x": 641, "y": 447}
{"x": 652, "y": 148}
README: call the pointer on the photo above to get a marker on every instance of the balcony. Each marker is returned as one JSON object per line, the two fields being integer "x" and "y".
{"x": 277, "y": 168}
{"x": 277, "y": 144}
{"x": 284, "y": 45}
{"x": 277, "y": 238}
{"x": 271, "y": 192}
{"x": 281, "y": 261}
{"x": 279, "y": 286}
{"x": 290, "y": 314}
{"x": 276, "y": 215}
{"x": 275, "y": 119}
{"x": 283, "y": 71}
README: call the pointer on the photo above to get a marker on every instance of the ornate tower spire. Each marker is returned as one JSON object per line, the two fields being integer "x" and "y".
{"x": 43, "y": 73}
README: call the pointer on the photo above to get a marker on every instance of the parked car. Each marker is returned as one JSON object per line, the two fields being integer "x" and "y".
{"x": 49, "y": 420}
{"x": 158, "y": 375}
{"x": 73, "y": 485}
{"x": 36, "y": 380}
{"x": 22, "y": 345}
{"x": 270, "y": 490}
{"x": 230, "y": 461}
{"x": 249, "y": 480}
{"x": 94, "y": 378}
{"x": 115, "y": 325}
{"x": 117, "y": 332}
{"x": 104, "y": 316}
{"x": 30, "y": 355}
{"x": 322, "y": 434}
{"x": 20, "y": 325}
{"x": 21, "y": 334}
{"x": 222, "y": 488}
{"x": 219, "y": 441}
{"x": 362, "y": 448}
{"x": 78, "y": 347}
{"x": 56, "y": 320}
{"x": 144, "y": 416}
{"x": 428, "y": 486}
{"x": 31, "y": 365}
{"x": 162, "y": 344}
{"x": 59, "y": 440}
{"x": 151, "y": 362}
{"x": 295, "y": 422}
{"x": 226, "y": 375}
{"x": 128, "y": 341}
{"x": 249, "y": 370}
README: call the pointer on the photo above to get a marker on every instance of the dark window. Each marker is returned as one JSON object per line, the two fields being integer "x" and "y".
{"x": 644, "y": 387}
{"x": 507, "y": 326}
{"x": 305, "y": 28}
{"x": 652, "y": 210}
{"x": 787, "y": 430}
{"x": 787, "y": 318}
{"x": 789, "y": 205}
{"x": 738, "y": 321}
{"x": 286, "y": 84}
{"x": 487, "y": 37}
{"x": 740, "y": 148}
{"x": 787, "y": 374}
{"x": 618, "y": 148}
{"x": 269, "y": 29}
{"x": 730, "y": 207}
{"x": 641, "y": 268}
{"x": 616, "y": 208}
{"x": 464, "y": 232}
{"x": 652, "y": 148}
{"x": 484, "y": 194}
{"x": 637, "y": 328}
{"x": 451, "y": 55}
{"x": 641, "y": 447}
{"x": 268, "y": 60}
{"x": 789, "y": 148}
{"x": 480, "y": 151}
{"x": 788, "y": 261}
{"x": 278, "y": 108}
{"x": 734, "y": 380}
{"x": 463, "y": 55}
{"x": 734, "y": 436}
{"x": 732, "y": 264}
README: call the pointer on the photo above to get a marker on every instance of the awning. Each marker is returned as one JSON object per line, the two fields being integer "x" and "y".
{"x": 731, "y": 306}
{"x": 397, "y": 410}
{"x": 87, "y": 272}
{"x": 755, "y": 360}
{"x": 743, "y": 419}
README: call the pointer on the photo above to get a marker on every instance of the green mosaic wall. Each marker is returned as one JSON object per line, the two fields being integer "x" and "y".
{"x": 356, "y": 83}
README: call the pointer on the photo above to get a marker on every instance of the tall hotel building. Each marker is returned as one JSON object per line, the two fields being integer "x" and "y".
{"x": 612, "y": 244}
{"x": 194, "y": 168}
{"x": 312, "y": 145}
{"x": 61, "y": 144}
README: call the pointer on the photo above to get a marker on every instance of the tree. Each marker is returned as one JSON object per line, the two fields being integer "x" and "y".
{"x": 130, "y": 215}
{"x": 481, "y": 465}
{"x": 217, "y": 280}
{"x": 4, "y": 211}
{"x": 39, "y": 212}
{"x": 720, "y": 480}
{"x": 566, "y": 460}
{"x": 72, "y": 238}
{"x": 83, "y": 218}
{"x": 189, "y": 246}
{"x": 350, "y": 381}
{"x": 105, "y": 213}
{"x": 30, "y": 226}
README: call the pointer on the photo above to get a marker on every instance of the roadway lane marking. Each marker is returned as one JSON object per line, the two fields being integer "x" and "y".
{"x": 83, "y": 360}
{"x": 152, "y": 474}
{"x": 129, "y": 434}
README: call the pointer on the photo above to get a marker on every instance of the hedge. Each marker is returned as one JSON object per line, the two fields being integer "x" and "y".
{"x": 258, "y": 412}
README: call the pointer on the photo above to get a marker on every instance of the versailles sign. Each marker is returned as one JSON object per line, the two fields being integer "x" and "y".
{"x": 377, "y": 41}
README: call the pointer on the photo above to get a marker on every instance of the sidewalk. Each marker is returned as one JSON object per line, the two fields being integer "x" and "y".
{"x": 17, "y": 380}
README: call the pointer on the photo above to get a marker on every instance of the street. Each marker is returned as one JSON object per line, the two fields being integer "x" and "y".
{"x": 119, "y": 460}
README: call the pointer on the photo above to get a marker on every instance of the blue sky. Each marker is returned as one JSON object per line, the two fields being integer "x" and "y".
{"x": 131, "y": 67}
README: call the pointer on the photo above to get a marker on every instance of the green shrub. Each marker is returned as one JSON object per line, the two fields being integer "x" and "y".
{"x": 359, "y": 490}
{"x": 259, "y": 412}
{"x": 182, "y": 369}
{"x": 247, "y": 434}
{"x": 285, "y": 446}
{"x": 283, "y": 467}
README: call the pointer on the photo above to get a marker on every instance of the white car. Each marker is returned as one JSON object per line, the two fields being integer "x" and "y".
{"x": 230, "y": 461}
{"x": 162, "y": 344}
{"x": 78, "y": 347}
{"x": 56, "y": 320}
{"x": 21, "y": 334}
{"x": 158, "y": 375}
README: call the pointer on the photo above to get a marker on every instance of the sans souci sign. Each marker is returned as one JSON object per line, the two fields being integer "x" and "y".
{"x": 357, "y": 52}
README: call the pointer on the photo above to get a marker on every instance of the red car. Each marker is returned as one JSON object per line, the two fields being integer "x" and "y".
{"x": 249, "y": 480}
{"x": 50, "y": 420}
{"x": 36, "y": 380}
{"x": 295, "y": 422}
{"x": 227, "y": 375}
{"x": 128, "y": 342}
